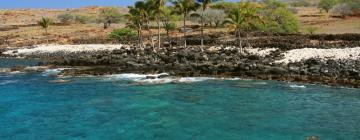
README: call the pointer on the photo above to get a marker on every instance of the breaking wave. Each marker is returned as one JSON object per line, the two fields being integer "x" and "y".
{"x": 160, "y": 78}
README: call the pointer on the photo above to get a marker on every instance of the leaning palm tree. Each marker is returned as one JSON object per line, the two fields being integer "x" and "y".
{"x": 45, "y": 23}
{"x": 184, "y": 7}
{"x": 204, "y": 6}
{"x": 158, "y": 6}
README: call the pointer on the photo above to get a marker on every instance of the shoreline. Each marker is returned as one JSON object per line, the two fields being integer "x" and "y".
{"x": 334, "y": 67}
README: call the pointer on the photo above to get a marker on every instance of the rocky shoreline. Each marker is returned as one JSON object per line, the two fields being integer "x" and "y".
{"x": 215, "y": 61}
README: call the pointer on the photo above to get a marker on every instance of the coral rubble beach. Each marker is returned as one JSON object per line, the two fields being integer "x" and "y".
{"x": 337, "y": 66}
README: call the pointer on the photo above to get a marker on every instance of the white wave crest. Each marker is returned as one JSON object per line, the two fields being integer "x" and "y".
{"x": 297, "y": 86}
{"x": 161, "y": 78}
{"x": 56, "y": 71}
{"x": 6, "y": 82}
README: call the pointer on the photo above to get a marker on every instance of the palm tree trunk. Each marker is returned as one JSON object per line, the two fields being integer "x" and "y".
{"x": 247, "y": 37}
{"x": 150, "y": 33}
{"x": 202, "y": 31}
{"x": 139, "y": 35}
{"x": 239, "y": 40}
{"x": 46, "y": 36}
{"x": 159, "y": 36}
{"x": 184, "y": 29}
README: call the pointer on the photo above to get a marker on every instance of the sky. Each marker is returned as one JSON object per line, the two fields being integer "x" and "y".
{"x": 14, "y": 4}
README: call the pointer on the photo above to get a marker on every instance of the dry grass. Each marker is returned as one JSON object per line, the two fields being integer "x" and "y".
{"x": 309, "y": 17}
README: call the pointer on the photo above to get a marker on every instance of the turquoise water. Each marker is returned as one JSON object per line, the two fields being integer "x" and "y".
{"x": 32, "y": 108}
{"x": 10, "y": 62}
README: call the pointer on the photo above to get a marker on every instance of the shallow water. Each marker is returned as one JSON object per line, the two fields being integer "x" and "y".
{"x": 33, "y": 108}
{"x": 10, "y": 62}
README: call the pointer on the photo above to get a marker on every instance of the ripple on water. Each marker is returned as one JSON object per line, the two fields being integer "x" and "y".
{"x": 7, "y": 82}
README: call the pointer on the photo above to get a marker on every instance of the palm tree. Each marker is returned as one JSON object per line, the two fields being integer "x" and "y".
{"x": 168, "y": 19}
{"x": 158, "y": 6}
{"x": 184, "y": 7}
{"x": 234, "y": 22}
{"x": 204, "y": 6}
{"x": 45, "y": 23}
{"x": 252, "y": 18}
{"x": 146, "y": 12}
{"x": 135, "y": 18}
{"x": 244, "y": 17}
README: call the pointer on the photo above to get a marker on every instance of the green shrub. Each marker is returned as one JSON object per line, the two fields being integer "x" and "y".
{"x": 122, "y": 34}
{"x": 170, "y": 26}
{"x": 278, "y": 18}
{"x": 82, "y": 19}
{"x": 109, "y": 16}
{"x": 65, "y": 18}
{"x": 300, "y": 3}
{"x": 327, "y": 5}
{"x": 311, "y": 30}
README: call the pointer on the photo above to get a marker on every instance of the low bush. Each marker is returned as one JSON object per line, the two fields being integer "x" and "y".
{"x": 65, "y": 18}
{"x": 342, "y": 9}
{"x": 122, "y": 34}
{"x": 82, "y": 19}
{"x": 311, "y": 30}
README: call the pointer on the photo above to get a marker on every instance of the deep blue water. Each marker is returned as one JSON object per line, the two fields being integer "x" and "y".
{"x": 32, "y": 108}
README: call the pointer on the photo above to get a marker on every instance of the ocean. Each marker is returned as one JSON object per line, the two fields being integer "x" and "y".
{"x": 129, "y": 106}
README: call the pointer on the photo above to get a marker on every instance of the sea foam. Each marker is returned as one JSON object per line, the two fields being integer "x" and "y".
{"x": 297, "y": 86}
{"x": 6, "y": 82}
{"x": 155, "y": 78}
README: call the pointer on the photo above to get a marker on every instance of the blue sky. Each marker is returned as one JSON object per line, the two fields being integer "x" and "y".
{"x": 11, "y": 4}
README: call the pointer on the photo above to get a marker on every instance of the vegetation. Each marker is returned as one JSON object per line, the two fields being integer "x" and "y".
{"x": 82, "y": 19}
{"x": 135, "y": 20}
{"x": 234, "y": 22}
{"x": 204, "y": 5}
{"x": 122, "y": 34}
{"x": 109, "y": 16}
{"x": 278, "y": 18}
{"x": 168, "y": 19}
{"x": 158, "y": 6}
{"x": 342, "y": 9}
{"x": 300, "y": 3}
{"x": 45, "y": 23}
{"x": 184, "y": 7}
{"x": 241, "y": 17}
{"x": 212, "y": 17}
{"x": 326, "y": 5}
{"x": 311, "y": 30}
{"x": 228, "y": 7}
{"x": 65, "y": 18}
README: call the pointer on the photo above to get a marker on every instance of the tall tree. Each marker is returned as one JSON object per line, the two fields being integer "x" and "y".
{"x": 135, "y": 20}
{"x": 251, "y": 17}
{"x": 245, "y": 17}
{"x": 204, "y": 5}
{"x": 327, "y": 5}
{"x": 234, "y": 22}
{"x": 184, "y": 7}
{"x": 109, "y": 15}
{"x": 146, "y": 12}
{"x": 168, "y": 19}
{"x": 158, "y": 6}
